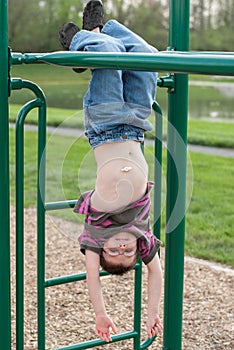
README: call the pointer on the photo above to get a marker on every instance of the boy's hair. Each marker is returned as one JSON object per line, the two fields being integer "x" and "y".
{"x": 117, "y": 269}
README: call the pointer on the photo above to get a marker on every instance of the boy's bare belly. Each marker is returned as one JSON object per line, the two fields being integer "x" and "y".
{"x": 122, "y": 175}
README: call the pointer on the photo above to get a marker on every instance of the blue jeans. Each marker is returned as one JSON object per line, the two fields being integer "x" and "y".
{"x": 118, "y": 102}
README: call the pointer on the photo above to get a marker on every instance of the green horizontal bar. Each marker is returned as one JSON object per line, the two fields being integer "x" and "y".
{"x": 98, "y": 342}
{"x": 60, "y": 205}
{"x": 68, "y": 279}
{"x": 147, "y": 343}
{"x": 18, "y": 84}
{"x": 73, "y": 278}
{"x": 169, "y": 61}
{"x": 64, "y": 279}
{"x": 167, "y": 81}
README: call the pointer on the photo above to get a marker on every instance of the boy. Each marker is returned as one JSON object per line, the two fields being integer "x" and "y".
{"x": 116, "y": 107}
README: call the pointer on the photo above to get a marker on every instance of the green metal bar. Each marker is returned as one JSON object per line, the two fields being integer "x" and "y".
{"x": 60, "y": 205}
{"x": 40, "y": 103}
{"x": 20, "y": 221}
{"x": 176, "y": 181}
{"x": 68, "y": 279}
{"x": 157, "y": 169}
{"x": 178, "y": 62}
{"x": 137, "y": 305}
{"x": 157, "y": 194}
{"x": 97, "y": 342}
{"x": 147, "y": 343}
{"x": 41, "y": 168}
{"x": 5, "y": 304}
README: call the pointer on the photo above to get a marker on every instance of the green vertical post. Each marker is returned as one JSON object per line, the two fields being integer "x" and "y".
{"x": 5, "y": 318}
{"x": 41, "y": 223}
{"x": 137, "y": 305}
{"x": 158, "y": 169}
{"x": 19, "y": 186}
{"x": 176, "y": 182}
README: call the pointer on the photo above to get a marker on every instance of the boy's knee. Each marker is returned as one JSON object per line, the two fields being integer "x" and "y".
{"x": 145, "y": 47}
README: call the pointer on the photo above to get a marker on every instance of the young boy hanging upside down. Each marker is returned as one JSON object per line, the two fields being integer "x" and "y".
{"x": 117, "y": 104}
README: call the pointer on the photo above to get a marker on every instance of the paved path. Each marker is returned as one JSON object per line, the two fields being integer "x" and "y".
{"x": 223, "y": 152}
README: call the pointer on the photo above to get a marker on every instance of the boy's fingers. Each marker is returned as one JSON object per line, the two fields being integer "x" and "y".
{"x": 104, "y": 335}
{"x": 113, "y": 328}
{"x": 160, "y": 328}
{"x": 152, "y": 331}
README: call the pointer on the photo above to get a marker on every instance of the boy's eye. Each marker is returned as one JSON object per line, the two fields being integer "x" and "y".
{"x": 113, "y": 250}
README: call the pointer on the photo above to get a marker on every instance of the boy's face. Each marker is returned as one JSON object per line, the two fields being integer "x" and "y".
{"x": 120, "y": 249}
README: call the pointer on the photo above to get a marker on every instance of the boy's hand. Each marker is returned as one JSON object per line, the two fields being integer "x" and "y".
{"x": 154, "y": 326}
{"x": 103, "y": 326}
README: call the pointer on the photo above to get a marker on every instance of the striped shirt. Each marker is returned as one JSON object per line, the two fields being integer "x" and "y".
{"x": 134, "y": 218}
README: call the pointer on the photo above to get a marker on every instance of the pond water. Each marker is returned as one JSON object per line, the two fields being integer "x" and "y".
{"x": 220, "y": 105}
{"x": 207, "y": 100}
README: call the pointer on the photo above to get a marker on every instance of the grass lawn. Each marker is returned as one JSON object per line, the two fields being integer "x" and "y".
{"x": 71, "y": 171}
{"x": 67, "y": 111}
{"x": 200, "y": 132}
{"x": 216, "y": 134}
{"x": 210, "y": 216}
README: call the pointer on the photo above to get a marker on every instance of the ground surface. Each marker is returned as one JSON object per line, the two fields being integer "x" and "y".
{"x": 208, "y": 296}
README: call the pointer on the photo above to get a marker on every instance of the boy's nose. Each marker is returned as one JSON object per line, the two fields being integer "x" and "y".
{"x": 122, "y": 245}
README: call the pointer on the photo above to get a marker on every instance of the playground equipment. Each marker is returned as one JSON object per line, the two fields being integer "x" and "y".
{"x": 176, "y": 60}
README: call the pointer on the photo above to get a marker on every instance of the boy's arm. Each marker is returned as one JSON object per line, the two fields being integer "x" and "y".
{"x": 154, "y": 325}
{"x": 103, "y": 322}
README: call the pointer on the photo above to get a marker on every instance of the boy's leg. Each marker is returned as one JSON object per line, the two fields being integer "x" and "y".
{"x": 139, "y": 86}
{"x": 104, "y": 104}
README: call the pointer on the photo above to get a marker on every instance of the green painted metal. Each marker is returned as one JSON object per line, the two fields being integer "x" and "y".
{"x": 42, "y": 284}
{"x": 5, "y": 304}
{"x": 170, "y": 61}
{"x": 60, "y": 205}
{"x": 176, "y": 60}
{"x": 136, "y": 334}
{"x": 41, "y": 225}
{"x": 176, "y": 182}
{"x": 158, "y": 169}
{"x": 97, "y": 342}
{"x": 20, "y": 222}
{"x": 39, "y": 103}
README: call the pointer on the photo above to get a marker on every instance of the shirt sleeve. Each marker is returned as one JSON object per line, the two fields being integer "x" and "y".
{"x": 87, "y": 241}
{"x": 148, "y": 247}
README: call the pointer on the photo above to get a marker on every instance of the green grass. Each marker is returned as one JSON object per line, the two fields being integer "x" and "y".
{"x": 200, "y": 132}
{"x": 71, "y": 170}
{"x": 216, "y": 134}
{"x": 201, "y": 77}
{"x": 63, "y": 88}
{"x": 210, "y": 218}
{"x": 71, "y": 167}
{"x": 66, "y": 118}
{"x": 64, "y": 92}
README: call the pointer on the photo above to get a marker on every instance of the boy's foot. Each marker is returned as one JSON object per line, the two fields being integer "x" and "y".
{"x": 93, "y": 15}
{"x": 66, "y": 33}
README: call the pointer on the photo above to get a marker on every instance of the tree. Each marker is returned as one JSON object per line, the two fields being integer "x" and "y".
{"x": 150, "y": 20}
{"x": 21, "y": 23}
{"x": 34, "y": 25}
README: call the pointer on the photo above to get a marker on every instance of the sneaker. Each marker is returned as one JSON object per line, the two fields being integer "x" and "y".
{"x": 93, "y": 15}
{"x": 66, "y": 33}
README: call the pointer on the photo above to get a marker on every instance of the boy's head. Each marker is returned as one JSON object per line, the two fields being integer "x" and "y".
{"x": 119, "y": 253}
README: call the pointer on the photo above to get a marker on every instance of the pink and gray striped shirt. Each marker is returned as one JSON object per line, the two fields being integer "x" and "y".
{"x": 134, "y": 218}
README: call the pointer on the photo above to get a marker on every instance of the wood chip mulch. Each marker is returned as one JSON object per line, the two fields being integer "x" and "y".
{"x": 208, "y": 319}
